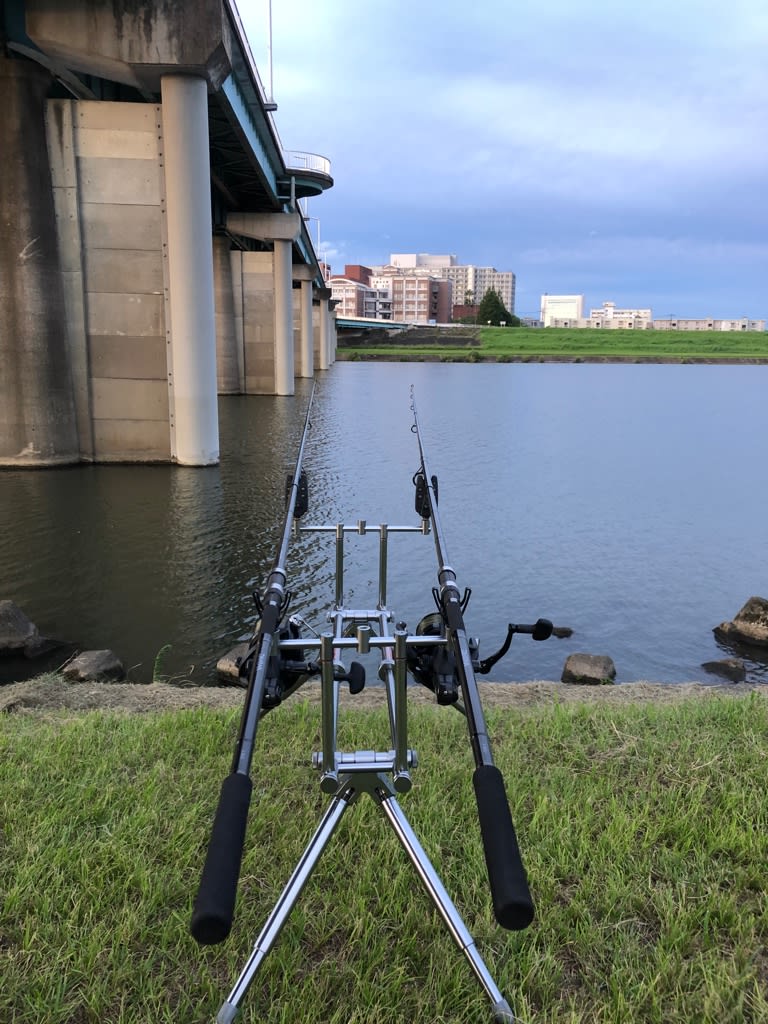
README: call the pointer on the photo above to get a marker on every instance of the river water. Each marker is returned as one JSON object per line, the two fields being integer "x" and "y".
{"x": 627, "y": 502}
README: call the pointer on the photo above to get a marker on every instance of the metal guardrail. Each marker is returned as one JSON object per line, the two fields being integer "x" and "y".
{"x": 293, "y": 159}
{"x": 297, "y": 161}
{"x": 237, "y": 21}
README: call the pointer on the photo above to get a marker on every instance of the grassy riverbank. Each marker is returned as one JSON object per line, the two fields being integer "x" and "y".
{"x": 532, "y": 345}
{"x": 644, "y": 827}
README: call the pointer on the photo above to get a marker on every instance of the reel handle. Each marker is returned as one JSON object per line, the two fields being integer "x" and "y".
{"x": 512, "y": 903}
{"x": 214, "y": 907}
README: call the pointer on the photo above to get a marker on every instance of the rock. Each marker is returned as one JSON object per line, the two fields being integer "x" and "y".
{"x": 95, "y": 666}
{"x": 728, "y": 668}
{"x": 588, "y": 669}
{"x": 16, "y": 631}
{"x": 749, "y": 626}
{"x": 228, "y": 666}
{"x": 562, "y": 632}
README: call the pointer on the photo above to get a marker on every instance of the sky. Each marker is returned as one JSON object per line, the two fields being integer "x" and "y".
{"x": 609, "y": 149}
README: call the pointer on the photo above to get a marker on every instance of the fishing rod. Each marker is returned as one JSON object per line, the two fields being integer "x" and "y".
{"x": 266, "y": 672}
{"x": 438, "y": 655}
{"x": 512, "y": 902}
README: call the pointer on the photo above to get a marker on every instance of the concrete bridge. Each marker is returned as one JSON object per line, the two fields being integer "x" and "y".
{"x": 153, "y": 252}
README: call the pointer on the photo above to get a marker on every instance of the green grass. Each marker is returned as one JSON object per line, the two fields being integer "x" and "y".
{"x": 507, "y": 344}
{"x": 644, "y": 828}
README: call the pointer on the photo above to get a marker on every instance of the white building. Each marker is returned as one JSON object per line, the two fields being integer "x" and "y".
{"x": 709, "y": 324}
{"x": 349, "y": 295}
{"x": 562, "y": 310}
{"x": 609, "y": 317}
{"x": 566, "y": 311}
{"x": 413, "y": 260}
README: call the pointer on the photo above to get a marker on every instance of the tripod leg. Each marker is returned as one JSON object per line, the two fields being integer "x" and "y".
{"x": 285, "y": 904}
{"x": 502, "y": 1014}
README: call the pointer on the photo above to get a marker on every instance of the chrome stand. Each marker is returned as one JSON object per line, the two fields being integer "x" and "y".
{"x": 380, "y": 774}
{"x": 380, "y": 788}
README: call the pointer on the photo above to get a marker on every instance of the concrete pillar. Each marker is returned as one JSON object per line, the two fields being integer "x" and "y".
{"x": 37, "y": 410}
{"x": 258, "y": 276}
{"x": 307, "y": 368}
{"x": 316, "y": 354}
{"x": 192, "y": 376}
{"x": 284, "y": 362}
{"x": 236, "y": 263}
{"x": 332, "y": 337}
{"x": 282, "y": 230}
{"x": 227, "y": 367}
{"x": 325, "y": 340}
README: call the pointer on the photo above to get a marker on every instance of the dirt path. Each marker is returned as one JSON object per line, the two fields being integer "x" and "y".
{"x": 51, "y": 693}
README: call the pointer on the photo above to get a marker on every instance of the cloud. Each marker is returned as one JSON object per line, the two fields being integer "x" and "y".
{"x": 629, "y": 136}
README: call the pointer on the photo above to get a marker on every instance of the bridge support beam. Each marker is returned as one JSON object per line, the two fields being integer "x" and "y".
{"x": 305, "y": 276}
{"x": 333, "y": 337}
{"x": 282, "y": 230}
{"x": 37, "y": 409}
{"x": 307, "y": 340}
{"x": 227, "y": 364}
{"x": 192, "y": 377}
{"x": 284, "y": 361}
{"x": 324, "y": 361}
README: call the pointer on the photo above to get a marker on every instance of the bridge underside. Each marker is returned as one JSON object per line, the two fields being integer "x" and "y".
{"x": 126, "y": 307}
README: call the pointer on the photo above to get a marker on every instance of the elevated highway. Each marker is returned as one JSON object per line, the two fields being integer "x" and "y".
{"x": 154, "y": 252}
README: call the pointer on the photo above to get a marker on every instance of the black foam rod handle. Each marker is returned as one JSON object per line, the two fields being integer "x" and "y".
{"x": 512, "y": 903}
{"x": 215, "y": 904}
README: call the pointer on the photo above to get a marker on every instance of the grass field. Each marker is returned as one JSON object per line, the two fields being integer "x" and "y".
{"x": 520, "y": 343}
{"x": 644, "y": 829}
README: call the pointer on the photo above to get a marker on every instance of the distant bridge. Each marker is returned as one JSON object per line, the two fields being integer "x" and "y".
{"x": 366, "y": 323}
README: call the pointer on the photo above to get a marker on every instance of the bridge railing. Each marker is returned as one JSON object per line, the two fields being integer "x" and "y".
{"x": 246, "y": 48}
{"x": 293, "y": 159}
{"x": 297, "y": 161}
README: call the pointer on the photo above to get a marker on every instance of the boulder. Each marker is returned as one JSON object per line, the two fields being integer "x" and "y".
{"x": 750, "y": 625}
{"x": 16, "y": 631}
{"x": 728, "y": 668}
{"x": 588, "y": 669}
{"x": 95, "y": 666}
{"x": 228, "y": 666}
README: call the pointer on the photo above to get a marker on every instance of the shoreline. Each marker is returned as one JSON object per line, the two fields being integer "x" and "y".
{"x": 353, "y": 355}
{"x": 49, "y": 695}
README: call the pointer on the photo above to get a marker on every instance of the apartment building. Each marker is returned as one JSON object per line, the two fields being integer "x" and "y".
{"x": 395, "y": 295}
{"x": 418, "y": 299}
{"x": 378, "y": 302}
{"x": 349, "y": 296}
{"x": 473, "y": 282}
{"x": 465, "y": 278}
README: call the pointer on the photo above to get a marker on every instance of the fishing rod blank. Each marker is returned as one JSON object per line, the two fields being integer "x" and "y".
{"x": 214, "y": 907}
{"x": 512, "y": 903}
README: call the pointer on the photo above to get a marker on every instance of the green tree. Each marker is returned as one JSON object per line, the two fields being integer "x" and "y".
{"x": 492, "y": 309}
